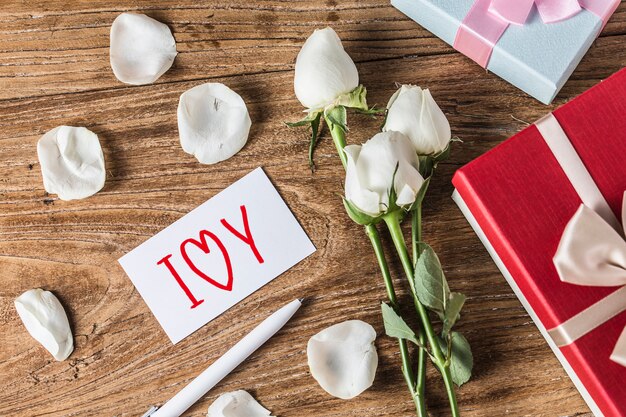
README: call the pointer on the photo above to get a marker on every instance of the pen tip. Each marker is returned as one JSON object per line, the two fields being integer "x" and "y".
{"x": 301, "y": 300}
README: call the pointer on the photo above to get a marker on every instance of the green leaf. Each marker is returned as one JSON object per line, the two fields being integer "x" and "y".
{"x": 452, "y": 312}
{"x": 355, "y": 99}
{"x": 395, "y": 326}
{"x": 337, "y": 115}
{"x": 461, "y": 358}
{"x": 430, "y": 283}
{"x": 357, "y": 215}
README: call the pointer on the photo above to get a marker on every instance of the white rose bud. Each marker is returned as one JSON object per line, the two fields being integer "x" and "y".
{"x": 324, "y": 71}
{"x": 414, "y": 112}
{"x": 370, "y": 171}
{"x": 46, "y": 321}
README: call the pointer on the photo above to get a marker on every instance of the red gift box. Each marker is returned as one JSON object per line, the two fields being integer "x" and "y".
{"x": 519, "y": 199}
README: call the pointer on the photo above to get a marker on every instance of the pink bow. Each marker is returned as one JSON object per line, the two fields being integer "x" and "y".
{"x": 551, "y": 11}
{"x": 487, "y": 21}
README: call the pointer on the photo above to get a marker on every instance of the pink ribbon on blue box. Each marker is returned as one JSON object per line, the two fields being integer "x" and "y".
{"x": 487, "y": 21}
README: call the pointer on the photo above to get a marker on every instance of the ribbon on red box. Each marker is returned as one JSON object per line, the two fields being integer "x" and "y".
{"x": 592, "y": 250}
{"x": 487, "y": 21}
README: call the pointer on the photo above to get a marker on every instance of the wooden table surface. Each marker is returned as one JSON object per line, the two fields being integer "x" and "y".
{"x": 54, "y": 70}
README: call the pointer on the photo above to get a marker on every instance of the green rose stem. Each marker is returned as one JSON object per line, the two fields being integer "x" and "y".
{"x": 339, "y": 138}
{"x": 392, "y": 220}
{"x": 415, "y": 387}
{"x": 416, "y": 236}
{"x": 416, "y": 230}
{"x": 407, "y": 368}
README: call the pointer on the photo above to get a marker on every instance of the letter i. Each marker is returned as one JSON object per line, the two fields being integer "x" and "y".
{"x": 166, "y": 260}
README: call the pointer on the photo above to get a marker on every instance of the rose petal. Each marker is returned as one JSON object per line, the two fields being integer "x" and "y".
{"x": 367, "y": 201}
{"x": 343, "y": 358}
{"x": 142, "y": 49}
{"x": 435, "y": 122}
{"x": 46, "y": 321}
{"x": 213, "y": 122}
{"x": 72, "y": 163}
{"x": 237, "y": 404}
{"x": 408, "y": 179}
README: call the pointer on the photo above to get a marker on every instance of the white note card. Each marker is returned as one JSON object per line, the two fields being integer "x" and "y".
{"x": 218, "y": 254}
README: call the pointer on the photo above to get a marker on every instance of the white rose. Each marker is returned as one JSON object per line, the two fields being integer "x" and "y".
{"x": 324, "y": 70}
{"x": 46, "y": 321}
{"x": 415, "y": 113}
{"x": 370, "y": 171}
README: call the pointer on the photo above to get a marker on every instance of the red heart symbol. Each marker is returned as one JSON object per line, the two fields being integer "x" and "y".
{"x": 202, "y": 244}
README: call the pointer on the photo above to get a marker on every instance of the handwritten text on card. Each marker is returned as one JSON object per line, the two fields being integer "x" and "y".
{"x": 217, "y": 255}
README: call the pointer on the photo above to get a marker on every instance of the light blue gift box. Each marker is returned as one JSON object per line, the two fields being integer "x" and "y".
{"x": 537, "y": 58}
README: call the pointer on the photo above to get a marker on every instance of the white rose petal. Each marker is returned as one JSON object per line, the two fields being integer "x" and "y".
{"x": 414, "y": 112}
{"x": 324, "y": 70}
{"x": 142, "y": 49}
{"x": 343, "y": 358}
{"x": 46, "y": 321}
{"x": 72, "y": 163}
{"x": 370, "y": 171}
{"x": 237, "y": 404}
{"x": 213, "y": 122}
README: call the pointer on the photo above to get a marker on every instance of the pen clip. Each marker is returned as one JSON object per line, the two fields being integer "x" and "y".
{"x": 150, "y": 411}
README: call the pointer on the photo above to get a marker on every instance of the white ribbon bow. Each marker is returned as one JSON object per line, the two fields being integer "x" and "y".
{"x": 592, "y": 253}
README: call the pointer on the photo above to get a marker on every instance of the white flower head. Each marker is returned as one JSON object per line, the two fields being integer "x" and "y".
{"x": 237, "y": 404}
{"x": 324, "y": 71}
{"x": 213, "y": 122}
{"x": 343, "y": 358}
{"x": 72, "y": 163}
{"x": 414, "y": 112}
{"x": 142, "y": 49}
{"x": 46, "y": 321}
{"x": 370, "y": 173}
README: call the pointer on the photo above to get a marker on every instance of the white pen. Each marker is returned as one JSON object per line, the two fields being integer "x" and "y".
{"x": 226, "y": 363}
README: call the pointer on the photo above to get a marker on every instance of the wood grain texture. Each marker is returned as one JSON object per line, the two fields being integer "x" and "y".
{"x": 54, "y": 69}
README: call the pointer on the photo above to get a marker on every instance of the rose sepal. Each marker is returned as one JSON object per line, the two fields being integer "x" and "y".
{"x": 313, "y": 119}
{"x": 358, "y": 216}
{"x": 428, "y": 163}
{"x": 355, "y": 99}
{"x": 420, "y": 194}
